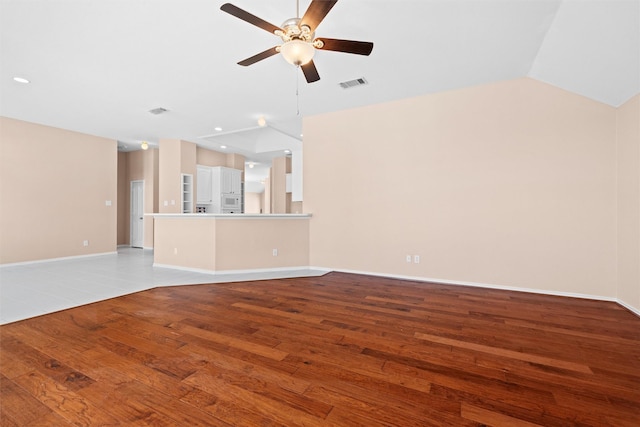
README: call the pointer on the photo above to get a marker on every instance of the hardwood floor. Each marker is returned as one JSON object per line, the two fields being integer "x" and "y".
{"x": 340, "y": 349}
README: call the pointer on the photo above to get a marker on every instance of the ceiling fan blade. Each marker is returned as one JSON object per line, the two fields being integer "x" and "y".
{"x": 251, "y": 19}
{"x": 259, "y": 57}
{"x": 310, "y": 72}
{"x": 347, "y": 46}
{"x": 316, "y": 12}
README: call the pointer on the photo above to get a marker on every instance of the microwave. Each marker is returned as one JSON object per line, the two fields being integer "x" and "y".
{"x": 231, "y": 202}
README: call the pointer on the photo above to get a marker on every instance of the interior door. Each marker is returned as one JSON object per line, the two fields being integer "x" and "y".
{"x": 137, "y": 214}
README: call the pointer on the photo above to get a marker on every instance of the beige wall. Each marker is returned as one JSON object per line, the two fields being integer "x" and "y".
{"x": 140, "y": 165}
{"x": 123, "y": 199}
{"x": 296, "y": 207}
{"x": 235, "y": 161}
{"x": 185, "y": 242}
{"x": 248, "y": 244}
{"x": 210, "y": 158}
{"x": 175, "y": 158}
{"x": 278, "y": 184}
{"x": 188, "y": 158}
{"x": 169, "y": 176}
{"x": 253, "y": 203}
{"x": 54, "y": 185}
{"x": 629, "y": 203}
{"x": 213, "y": 158}
{"x": 214, "y": 244}
{"x": 509, "y": 184}
{"x": 266, "y": 195}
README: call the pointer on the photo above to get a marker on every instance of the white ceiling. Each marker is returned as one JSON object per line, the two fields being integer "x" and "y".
{"x": 99, "y": 66}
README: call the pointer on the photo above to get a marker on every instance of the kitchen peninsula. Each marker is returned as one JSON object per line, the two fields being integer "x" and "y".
{"x": 226, "y": 243}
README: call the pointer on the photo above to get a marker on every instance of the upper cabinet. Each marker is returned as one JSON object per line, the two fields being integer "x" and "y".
{"x": 214, "y": 182}
{"x": 230, "y": 179}
{"x": 225, "y": 181}
{"x": 204, "y": 184}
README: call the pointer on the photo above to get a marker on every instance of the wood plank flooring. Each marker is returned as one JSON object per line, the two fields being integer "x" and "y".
{"x": 340, "y": 349}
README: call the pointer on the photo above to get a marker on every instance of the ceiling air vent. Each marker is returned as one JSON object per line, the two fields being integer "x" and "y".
{"x": 353, "y": 83}
{"x": 158, "y": 110}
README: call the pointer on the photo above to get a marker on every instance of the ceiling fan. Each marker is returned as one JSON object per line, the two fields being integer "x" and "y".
{"x": 298, "y": 37}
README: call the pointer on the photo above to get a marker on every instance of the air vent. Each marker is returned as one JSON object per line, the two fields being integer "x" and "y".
{"x": 158, "y": 110}
{"x": 353, "y": 83}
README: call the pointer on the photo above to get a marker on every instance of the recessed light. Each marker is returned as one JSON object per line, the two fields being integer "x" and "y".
{"x": 223, "y": 146}
{"x": 218, "y": 129}
{"x": 21, "y": 80}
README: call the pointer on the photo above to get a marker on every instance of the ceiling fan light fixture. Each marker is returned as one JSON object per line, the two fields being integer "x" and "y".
{"x": 297, "y": 52}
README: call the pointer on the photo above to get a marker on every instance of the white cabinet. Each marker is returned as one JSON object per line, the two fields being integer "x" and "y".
{"x": 230, "y": 179}
{"x": 214, "y": 182}
{"x": 204, "y": 185}
{"x": 225, "y": 181}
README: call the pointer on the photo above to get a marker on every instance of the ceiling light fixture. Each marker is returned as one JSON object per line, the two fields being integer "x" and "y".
{"x": 223, "y": 146}
{"x": 251, "y": 165}
{"x": 297, "y": 52}
{"x": 287, "y": 151}
{"x": 21, "y": 80}
{"x": 298, "y": 37}
{"x": 218, "y": 129}
{"x": 262, "y": 121}
{"x": 144, "y": 145}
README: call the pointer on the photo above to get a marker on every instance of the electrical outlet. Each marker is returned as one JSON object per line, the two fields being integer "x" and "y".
{"x": 416, "y": 259}
{"x": 85, "y": 243}
{"x": 409, "y": 259}
{"x": 275, "y": 252}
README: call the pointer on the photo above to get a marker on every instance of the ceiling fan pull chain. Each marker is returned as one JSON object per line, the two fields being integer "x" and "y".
{"x": 298, "y": 94}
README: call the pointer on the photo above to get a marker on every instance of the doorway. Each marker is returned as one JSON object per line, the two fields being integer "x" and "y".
{"x": 137, "y": 214}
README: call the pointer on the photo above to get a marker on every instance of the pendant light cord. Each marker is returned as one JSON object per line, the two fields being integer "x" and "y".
{"x": 297, "y": 93}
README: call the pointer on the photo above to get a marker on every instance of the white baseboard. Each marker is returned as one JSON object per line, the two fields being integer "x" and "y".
{"x": 634, "y": 310}
{"x": 237, "y": 272}
{"x": 631, "y": 308}
{"x": 39, "y": 261}
{"x": 146, "y": 248}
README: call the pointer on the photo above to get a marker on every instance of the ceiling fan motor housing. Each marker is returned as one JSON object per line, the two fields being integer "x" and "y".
{"x": 294, "y": 31}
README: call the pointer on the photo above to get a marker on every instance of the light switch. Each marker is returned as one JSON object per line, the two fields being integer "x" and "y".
{"x": 166, "y": 203}
{"x": 107, "y": 203}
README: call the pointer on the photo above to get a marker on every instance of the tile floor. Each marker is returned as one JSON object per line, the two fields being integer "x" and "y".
{"x": 30, "y": 290}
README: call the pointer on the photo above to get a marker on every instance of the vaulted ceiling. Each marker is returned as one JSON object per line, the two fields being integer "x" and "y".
{"x": 100, "y": 66}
